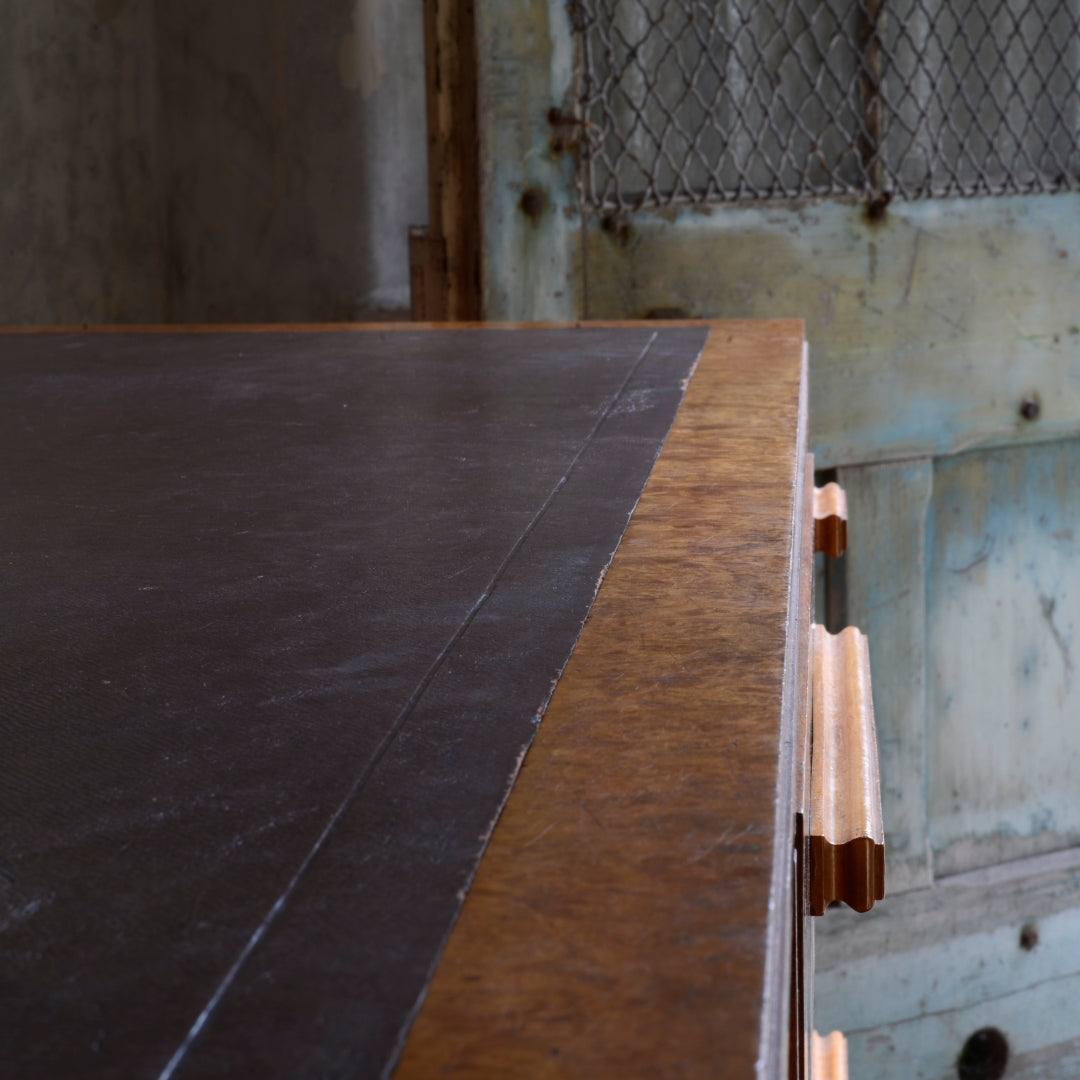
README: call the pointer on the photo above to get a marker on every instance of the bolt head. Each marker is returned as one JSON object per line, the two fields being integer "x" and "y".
{"x": 1030, "y": 408}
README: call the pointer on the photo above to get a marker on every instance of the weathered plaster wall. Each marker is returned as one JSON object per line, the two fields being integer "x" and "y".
{"x": 79, "y": 166}
{"x": 296, "y": 156}
{"x": 259, "y": 160}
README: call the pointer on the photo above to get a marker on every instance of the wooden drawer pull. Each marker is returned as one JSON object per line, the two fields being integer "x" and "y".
{"x": 830, "y": 519}
{"x": 828, "y": 1056}
{"x": 847, "y": 840}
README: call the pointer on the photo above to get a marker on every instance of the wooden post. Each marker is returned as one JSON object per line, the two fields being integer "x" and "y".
{"x": 453, "y": 234}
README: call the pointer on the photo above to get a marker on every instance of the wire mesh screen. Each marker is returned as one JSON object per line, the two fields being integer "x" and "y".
{"x": 692, "y": 101}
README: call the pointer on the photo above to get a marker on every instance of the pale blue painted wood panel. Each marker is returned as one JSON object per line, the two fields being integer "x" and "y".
{"x": 531, "y": 260}
{"x": 1003, "y": 609}
{"x": 886, "y": 599}
{"x": 929, "y": 327}
{"x": 1039, "y": 1021}
{"x": 927, "y": 330}
{"x": 911, "y": 980}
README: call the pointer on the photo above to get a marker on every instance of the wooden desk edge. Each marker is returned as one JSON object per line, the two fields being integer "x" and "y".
{"x": 383, "y": 327}
{"x": 422, "y": 1055}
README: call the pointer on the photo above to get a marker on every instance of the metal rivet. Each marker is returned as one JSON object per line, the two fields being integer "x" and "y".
{"x": 878, "y": 206}
{"x": 984, "y": 1057}
{"x": 1030, "y": 408}
{"x": 532, "y": 202}
{"x": 617, "y": 227}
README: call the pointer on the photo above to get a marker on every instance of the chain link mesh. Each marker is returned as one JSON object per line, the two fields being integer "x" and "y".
{"x": 695, "y": 101}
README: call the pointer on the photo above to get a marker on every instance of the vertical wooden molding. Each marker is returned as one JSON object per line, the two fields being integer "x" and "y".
{"x": 802, "y": 980}
{"x": 453, "y": 159}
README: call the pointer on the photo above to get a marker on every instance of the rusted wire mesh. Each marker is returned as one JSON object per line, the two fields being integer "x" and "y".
{"x": 696, "y": 101}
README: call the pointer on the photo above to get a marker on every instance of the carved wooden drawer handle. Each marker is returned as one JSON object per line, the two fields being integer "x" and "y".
{"x": 830, "y": 519}
{"x": 828, "y": 1056}
{"x": 847, "y": 841}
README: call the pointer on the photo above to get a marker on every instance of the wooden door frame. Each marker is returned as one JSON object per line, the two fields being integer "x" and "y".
{"x": 444, "y": 256}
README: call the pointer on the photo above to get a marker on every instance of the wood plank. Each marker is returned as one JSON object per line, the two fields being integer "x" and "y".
{"x": 1058, "y": 1061}
{"x": 1038, "y": 1023}
{"x": 929, "y": 328}
{"x": 802, "y": 982}
{"x": 632, "y": 914}
{"x": 911, "y": 980}
{"x": 453, "y": 157}
{"x": 1003, "y": 614}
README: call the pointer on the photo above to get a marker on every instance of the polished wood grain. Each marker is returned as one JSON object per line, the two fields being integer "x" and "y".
{"x": 830, "y": 519}
{"x": 633, "y": 914}
{"x": 847, "y": 840}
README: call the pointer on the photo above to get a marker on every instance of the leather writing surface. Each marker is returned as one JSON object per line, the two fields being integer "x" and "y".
{"x": 280, "y": 614}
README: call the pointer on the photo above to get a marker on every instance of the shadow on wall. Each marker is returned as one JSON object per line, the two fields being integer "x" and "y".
{"x": 257, "y": 161}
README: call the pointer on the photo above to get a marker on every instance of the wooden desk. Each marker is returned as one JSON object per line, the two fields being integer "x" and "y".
{"x": 633, "y": 914}
{"x": 250, "y": 765}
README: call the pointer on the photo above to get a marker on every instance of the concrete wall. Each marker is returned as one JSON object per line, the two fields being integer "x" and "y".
{"x": 79, "y": 167}
{"x": 249, "y": 160}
